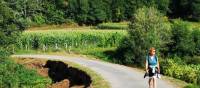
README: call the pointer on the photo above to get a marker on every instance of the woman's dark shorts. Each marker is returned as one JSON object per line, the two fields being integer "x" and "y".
{"x": 151, "y": 74}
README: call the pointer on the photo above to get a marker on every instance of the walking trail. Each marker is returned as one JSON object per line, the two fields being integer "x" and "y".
{"x": 118, "y": 76}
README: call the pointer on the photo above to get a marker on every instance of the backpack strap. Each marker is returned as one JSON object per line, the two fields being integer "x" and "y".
{"x": 156, "y": 59}
{"x": 149, "y": 58}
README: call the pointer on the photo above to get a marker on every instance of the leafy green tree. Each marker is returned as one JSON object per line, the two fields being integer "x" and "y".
{"x": 118, "y": 10}
{"x": 10, "y": 28}
{"x": 182, "y": 41}
{"x": 97, "y": 13}
{"x": 26, "y": 10}
{"x": 130, "y": 8}
{"x": 78, "y": 10}
{"x": 106, "y": 5}
{"x": 147, "y": 29}
{"x": 186, "y": 9}
{"x": 196, "y": 39}
{"x": 196, "y": 10}
{"x": 51, "y": 13}
{"x": 61, "y": 3}
{"x": 132, "y": 5}
{"x": 163, "y": 5}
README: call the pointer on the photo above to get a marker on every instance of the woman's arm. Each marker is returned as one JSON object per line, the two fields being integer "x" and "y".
{"x": 146, "y": 65}
{"x": 158, "y": 65}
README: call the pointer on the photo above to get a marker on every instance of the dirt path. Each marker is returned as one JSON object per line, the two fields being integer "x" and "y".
{"x": 119, "y": 76}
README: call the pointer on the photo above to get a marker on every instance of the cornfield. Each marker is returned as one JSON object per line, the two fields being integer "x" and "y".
{"x": 70, "y": 39}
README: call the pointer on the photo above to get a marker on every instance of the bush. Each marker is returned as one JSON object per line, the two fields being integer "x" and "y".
{"x": 3, "y": 54}
{"x": 57, "y": 18}
{"x": 16, "y": 76}
{"x": 39, "y": 19}
{"x": 182, "y": 41}
{"x": 27, "y": 22}
{"x": 192, "y": 60}
{"x": 148, "y": 29}
{"x": 192, "y": 86}
{"x": 188, "y": 73}
{"x": 196, "y": 39}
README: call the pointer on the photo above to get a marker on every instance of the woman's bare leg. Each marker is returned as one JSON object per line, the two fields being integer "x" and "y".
{"x": 150, "y": 82}
{"x": 154, "y": 83}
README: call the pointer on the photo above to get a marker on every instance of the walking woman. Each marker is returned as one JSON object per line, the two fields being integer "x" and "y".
{"x": 152, "y": 67}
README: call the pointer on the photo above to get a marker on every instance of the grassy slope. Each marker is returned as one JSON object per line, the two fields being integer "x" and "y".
{"x": 14, "y": 75}
{"x": 97, "y": 80}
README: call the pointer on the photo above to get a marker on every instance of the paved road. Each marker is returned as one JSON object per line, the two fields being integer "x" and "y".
{"x": 117, "y": 75}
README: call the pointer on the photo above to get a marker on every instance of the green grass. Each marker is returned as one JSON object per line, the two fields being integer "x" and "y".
{"x": 18, "y": 52}
{"x": 120, "y": 25}
{"x": 192, "y": 86}
{"x": 95, "y": 52}
{"x": 90, "y": 52}
{"x": 13, "y": 75}
{"x": 193, "y": 25}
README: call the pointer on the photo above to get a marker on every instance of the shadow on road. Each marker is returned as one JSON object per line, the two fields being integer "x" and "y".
{"x": 59, "y": 71}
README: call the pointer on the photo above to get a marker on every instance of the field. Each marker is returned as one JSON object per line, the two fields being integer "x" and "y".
{"x": 65, "y": 39}
{"x": 114, "y": 26}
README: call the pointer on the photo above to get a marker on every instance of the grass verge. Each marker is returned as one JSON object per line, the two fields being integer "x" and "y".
{"x": 13, "y": 75}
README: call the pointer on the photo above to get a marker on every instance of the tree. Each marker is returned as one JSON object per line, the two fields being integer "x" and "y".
{"x": 27, "y": 10}
{"x": 118, "y": 10}
{"x": 163, "y": 5}
{"x": 196, "y": 39}
{"x": 196, "y": 10}
{"x": 130, "y": 8}
{"x": 51, "y": 13}
{"x": 186, "y": 9}
{"x": 106, "y": 5}
{"x": 62, "y": 4}
{"x": 148, "y": 28}
{"x": 10, "y": 28}
{"x": 182, "y": 41}
{"x": 78, "y": 10}
{"x": 132, "y": 5}
{"x": 97, "y": 13}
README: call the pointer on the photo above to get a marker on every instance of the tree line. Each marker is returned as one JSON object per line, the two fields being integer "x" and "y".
{"x": 37, "y": 12}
